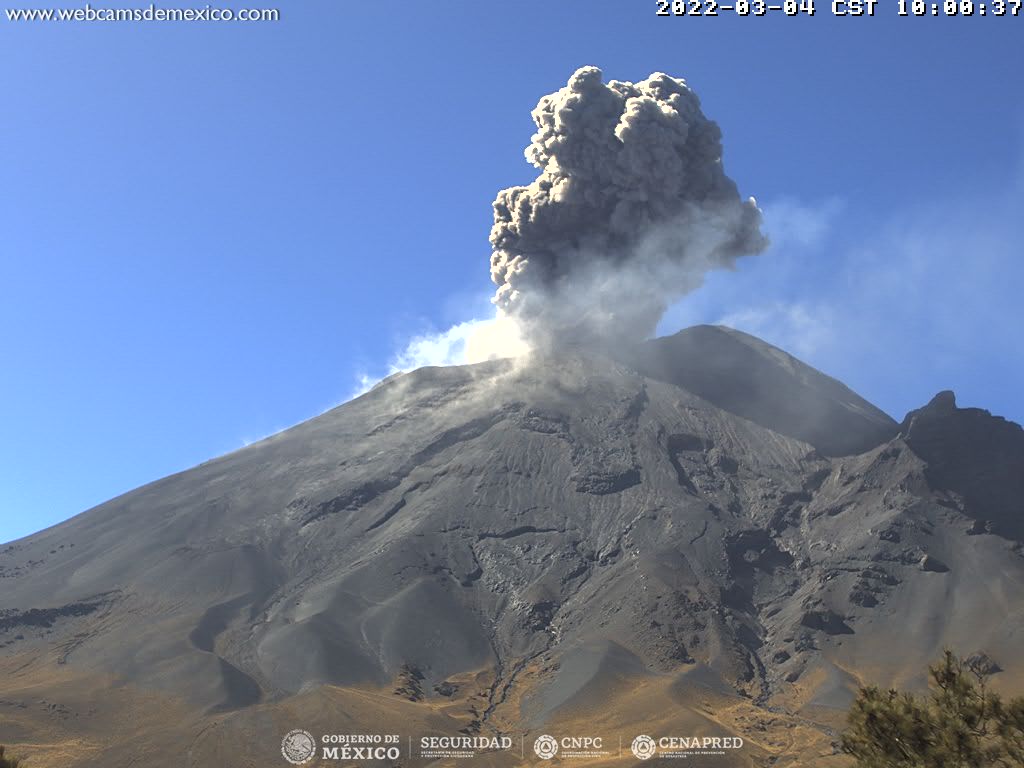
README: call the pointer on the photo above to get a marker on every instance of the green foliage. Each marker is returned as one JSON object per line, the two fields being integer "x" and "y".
{"x": 8, "y": 762}
{"x": 960, "y": 724}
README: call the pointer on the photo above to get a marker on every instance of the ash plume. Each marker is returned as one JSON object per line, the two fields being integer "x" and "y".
{"x": 631, "y": 208}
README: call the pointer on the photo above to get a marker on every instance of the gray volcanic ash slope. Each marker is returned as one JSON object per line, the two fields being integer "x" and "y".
{"x": 563, "y": 524}
{"x": 749, "y": 378}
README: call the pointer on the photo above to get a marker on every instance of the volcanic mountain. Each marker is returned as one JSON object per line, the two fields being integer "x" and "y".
{"x": 701, "y": 536}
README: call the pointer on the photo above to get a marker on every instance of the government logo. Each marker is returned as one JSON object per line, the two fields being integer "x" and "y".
{"x": 298, "y": 746}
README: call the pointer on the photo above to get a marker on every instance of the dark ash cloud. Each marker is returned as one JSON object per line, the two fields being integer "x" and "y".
{"x": 631, "y": 208}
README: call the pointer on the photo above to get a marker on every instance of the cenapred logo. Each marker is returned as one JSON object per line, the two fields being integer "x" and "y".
{"x": 298, "y": 746}
{"x": 545, "y": 747}
{"x": 643, "y": 747}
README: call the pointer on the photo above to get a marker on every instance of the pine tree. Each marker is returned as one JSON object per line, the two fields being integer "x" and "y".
{"x": 961, "y": 724}
{"x": 8, "y": 762}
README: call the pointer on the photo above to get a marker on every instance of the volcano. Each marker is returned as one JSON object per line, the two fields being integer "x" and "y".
{"x": 700, "y": 536}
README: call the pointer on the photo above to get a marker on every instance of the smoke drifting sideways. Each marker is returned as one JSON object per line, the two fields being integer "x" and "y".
{"x": 631, "y": 209}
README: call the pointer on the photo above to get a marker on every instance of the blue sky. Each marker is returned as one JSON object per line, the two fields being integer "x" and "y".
{"x": 213, "y": 231}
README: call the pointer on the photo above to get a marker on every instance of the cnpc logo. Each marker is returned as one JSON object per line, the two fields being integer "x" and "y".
{"x": 546, "y": 747}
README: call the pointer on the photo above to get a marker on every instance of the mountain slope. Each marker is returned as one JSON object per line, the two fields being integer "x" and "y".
{"x": 495, "y": 547}
{"x": 743, "y": 375}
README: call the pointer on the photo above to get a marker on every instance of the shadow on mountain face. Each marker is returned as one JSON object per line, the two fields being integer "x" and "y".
{"x": 743, "y": 375}
{"x": 975, "y": 455}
